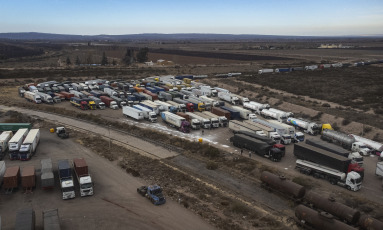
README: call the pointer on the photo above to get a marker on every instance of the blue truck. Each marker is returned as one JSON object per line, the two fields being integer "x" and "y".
{"x": 159, "y": 89}
{"x": 139, "y": 97}
{"x": 234, "y": 114}
{"x": 66, "y": 179}
{"x": 153, "y": 193}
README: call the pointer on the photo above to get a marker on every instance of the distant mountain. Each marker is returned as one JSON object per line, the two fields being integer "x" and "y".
{"x": 135, "y": 37}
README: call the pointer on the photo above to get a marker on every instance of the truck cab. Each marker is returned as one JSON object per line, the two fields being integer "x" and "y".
{"x": 275, "y": 137}
{"x": 25, "y": 152}
{"x": 67, "y": 188}
{"x": 86, "y": 186}
{"x": 356, "y": 157}
{"x": 353, "y": 181}
{"x": 361, "y": 148}
{"x": 285, "y": 139}
{"x": 113, "y": 105}
{"x": 195, "y": 124}
{"x": 252, "y": 116}
{"x": 299, "y": 137}
{"x": 152, "y": 117}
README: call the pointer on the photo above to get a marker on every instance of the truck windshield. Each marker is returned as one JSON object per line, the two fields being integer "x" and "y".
{"x": 207, "y": 123}
{"x": 68, "y": 189}
{"x": 86, "y": 186}
{"x": 153, "y": 116}
{"x": 202, "y": 106}
{"x": 215, "y": 122}
{"x": 196, "y": 123}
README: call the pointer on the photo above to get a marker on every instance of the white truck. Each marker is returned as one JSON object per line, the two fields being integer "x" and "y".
{"x": 228, "y": 97}
{"x": 15, "y": 143}
{"x": 98, "y": 102}
{"x": 4, "y": 139}
{"x": 245, "y": 113}
{"x": 269, "y": 132}
{"x": 288, "y": 128}
{"x": 31, "y": 96}
{"x": 283, "y": 113}
{"x": 221, "y": 119}
{"x": 212, "y": 101}
{"x": 181, "y": 107}
{"x": 261, "y": 71}
{"x": 208, "y": 91}
{"x": 236, "y": 126}
{"x": 241, "y": 99}
{"x": 311, "y": 67}
{"x": 83, "y": 177}
{"x": 214, "y": 121}
{"x": 311, "y": 128}
{"x": 346, "y": 141}
{"x": 221, "y": 90}
{"x": 148, "y": 113}
{"x": 84, "y": 87}
{"x": 66, "y": 179}
{"x": 352, "y": 180}
{"x": 77, "y": 94}
{"x": 375, "y": 146}
{"x": 269, "y": 114}
{"x": 205, "y": 123}
{"x": 28, "y": 148}
{"x": 45, "y": 98}
{"x": 165, "y": 105}
{"x": 255, "y": 106}
{"x": 121, "y": 103}
{"x": 150, "y": 105}
{"x": 282, "y": 131}
{"x": 132, "y": 112}
{"x": 176, "y": 121}
{"x": 110, "y": 92}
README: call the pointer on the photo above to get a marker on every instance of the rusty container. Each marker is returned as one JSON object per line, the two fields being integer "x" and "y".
{"x": 11, "y": 177}
{"x": 282, "y": 185}
{"x": 28, "y": 177}
{"x": 368, "y": 223}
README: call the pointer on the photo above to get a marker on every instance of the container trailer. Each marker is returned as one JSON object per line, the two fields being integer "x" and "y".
{"x": 228, "y": 97}
{"x": 346, "y": 141}
{"x": 47, "y": 176}
{"x": 147, "y": 113}
{"x": 51, "y": 219}
{"x": 176, "y": 121}
{"x": 83, "y": 177}
{"x": 132, "y": 112}
{"x": 33, "y": 97}
{"x": 309, "y": 127}
{"x": 194, "y": 123}
{"x": 66, "y": 179}
{"x": 5, "y": 137}
{"x": 28, "y": 148}
{"x": 16, "y": 142}
{"x": 222, "y": 120}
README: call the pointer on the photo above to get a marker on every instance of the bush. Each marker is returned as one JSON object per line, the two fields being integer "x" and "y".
{"x": 212, "y": 152}
{"x": 240, "y": 208}
{"x": 346, "y": 122}
{"x": 211, "y": 165}
{"x": 367, "y": 129}
{"x": 326, "y": 105}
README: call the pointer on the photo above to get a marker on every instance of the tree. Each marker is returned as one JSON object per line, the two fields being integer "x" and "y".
{"x": 77, "y": 62}
{"x": 142, "y": 55}
{"x": 68, "y": 62}
{"x": 104, "y": 60}
{"x": 129, "y": 57}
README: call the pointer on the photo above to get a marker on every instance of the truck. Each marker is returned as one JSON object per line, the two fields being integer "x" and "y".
{"x": 109, "y": 102}
{"x": 33, "y": 97}
{"x": 311, "y": 67}
{"x": 180, "y": 107}
{"x": 205, "y": 123}
{"x": 97, "y": 101}
{"x": 2, "y": 171}
{"x": 147, "y": 113}
{"x": 221, "y": 90}
{"x": 261, "y": 71}
{"x": 214, "y": 122}
{"x": 176, "y": 121}
{"x": 221, "y": 112}
{"x": 149, "y": 95}
{"x": 263, "y": 138}
{"x": 77, "y": 94}
{"x": 325, "y": 158}
{"x": 189, "y": 106}
{"x": 198, "y": 92}
{"x": 207, "y": 103}
{"x": 21, "y": 91}
{"x": 110, "y": 92}
{"x": 244, "y": 113}
{"x": 25, "y": 219}
{"x": 153, "y": 193}
{"x": 4, "y": 140}
{"x": 241, "y": 99}
{"x": 15, "y": 143}
{"x": 121, "y": 103}
{"x": 11, "y": 179}
{"x": 194, "y": 123}
{"x": 150, "y": 105}
{"x": 373, "y": 145}
{"x": 47, "y": 176}
{"x": 79, "y": 103}
{"x": 166, "y": 96}
{"x": 28, "y": 148}
{"x": 77, "y": 87}
{"x": 288, "y": 128}
{"x": 255, "y": 106}
{"x": 208, "y": 91}
{"x": 282, "y": 113}
{"x": 213, "y": 102}
{"x": 346, "y": 141}
{"x": 90, "y": 104}
{"x": 352, "y": 180}
{"x": 259, "y": 147}
{"x": 198, "y": 105}
{"x": 355, "y": 156}
{"x": 166, "y": 106}
{"x": 309, "y": 127}
{"x": 269, "y": 114}
{"x": 14, "y": 126}
{"x": 222, "y": 120}
{"x": 67, "y": 95}
{"x": 66, "y": 179}
{"x": 234, "y": 114}
{"x": 236, "y": 126}
{"x": 83, "y": 177}
{"x": 51, "y": 220}
{"x": 228, "y": 97}
{"x": 268, "y": 131}
{"x": 28, "y": 178}
{"x": 132, "y": 112}
{"x": 282, "y": 131}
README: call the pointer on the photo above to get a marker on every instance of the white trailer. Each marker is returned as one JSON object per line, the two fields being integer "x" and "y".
{"x": 261, "y": 71}
{"x": 208, "y": 91}
{"x": 165, "y": 105}
{"x": 77, "y": 87}
{"x": 45, "y": 98}
{"x": 181, "y": 107}
{"x": 31, "y": 96}
{"x": 236, "y": 126}
{"x": 132, "y": 112}
{"x": 285, "y": 136}
{"x": 211, "y": 101}
{"x": 269, "y": 132}
{"x": 228, "y": 97}
{"x": 311, "y": 128}
{"x": 221, "y": 119}
{"x": 176, "y": 121}
{"x": 245, "y": 113}
{"x": 289, "y": 129}
{"x": 77, "y": 94}
{"x": 205, "y": 123}
{"x": 241, "y": 99}
{"x": 283, "y": 113}
{"x": 214, "y": 121}
{"x": 221, "y": 90}
{"x": 153, "y": 106}
{"x": 255, "y": 106}
{"x": 148, "y": 113}
{"x": 16, "y": 142}
{"x": 4, "y": 139}
{"x": 110, "y": 92}
{"x": 28, "y": 148}
{"x": 378, "y": 147}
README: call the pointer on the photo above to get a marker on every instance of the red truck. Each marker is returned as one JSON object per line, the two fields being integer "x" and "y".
{"x": 109, "y": 102}
{"x": 11, "y": 178}
{"x": 221, "y": 112}
{"x": 153, "y": 95}
{"x": 28, "y": 178}
{"x": 62, "y": 97}
{"x": 67, "y": 95}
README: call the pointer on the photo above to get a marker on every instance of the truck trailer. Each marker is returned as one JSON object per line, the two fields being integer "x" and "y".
{"x": 228, "y": 97}
{"x": 194, "y": 123}
{"x": 309, "y": 127}
{"x": 205, "y": 123}
{"x": 237, "y": 126}
{"x": 132, "y": 112}
{"x": 189, "y": 106}
{"x": 346, "y": 141}
{"x": 28, "y": 178}
{"x": 83, "y": 177}
{"x": 11, "y": 179}
{"x": 223, "y": 122}
{"x": 148, "y": 113}
{"x": 16, "y": 142}
{"x": 28, "y": 148}
{"x": 245, "y": 113}
{"x": 25, "y": 219}
{"x": 176, "y": 121}
{"x": 33, "y": 97}
{"x": 47, "y": 176}
{"x": 51, "y": 219}
{"x": 66, "y": 179}
{"x": 282, "y": 131}
{"x": 5, "y": 137}
{"x": 109, "y": 102}
{"x": 255, "y": 106}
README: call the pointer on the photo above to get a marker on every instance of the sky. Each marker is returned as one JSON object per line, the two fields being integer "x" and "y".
{"x": 268, "y": 17}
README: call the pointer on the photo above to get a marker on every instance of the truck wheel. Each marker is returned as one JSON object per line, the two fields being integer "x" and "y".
{"x": 332, "y": 182}
{"x": 348, "y": 187}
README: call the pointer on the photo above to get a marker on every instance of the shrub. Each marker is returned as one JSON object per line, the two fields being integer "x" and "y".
{"x": 211, "y": 165}
{"x": 345, "y": 122}
{"x": 326, "y": 105}
{"x": 367, "y": 129}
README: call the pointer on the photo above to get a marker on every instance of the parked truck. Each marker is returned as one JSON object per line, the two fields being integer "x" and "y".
{"x": 51, "y": 220}
{"x": 282, "y": 131}
{"x": 228, "y": 97}
{"x": 309, "y": 127}
{"x": 213, "y": 102}
{"x": 16, "y": 142}
{"x": 110, "y": 92}
{"x": 269, "y": 131}
{"x": 207, "y": 103}
{"x": 47, "y": 176}
{"x": 198, "y": 105}
{"x": 376, "y": 147}
{"x": 222, "y": 120}
{"x": 241, "y": 99}
{"x": 45, "y": 98}
{"x": 255, "y": 106}
{"x": 176, "y": 121}
{"x": 311, "y": 153}
{"x": 282, "y": 113}
{"x": 132, "y": 112}
{"x": 205, "y": 123}
{"x": 147, "y": 113}
{"x": 257, "y": 146}
{"x": 79, "y": 103}
{"x": 28, "y": 148}
{"x": 180, "y": 107}
{"x": 152, "y": 106}
{"x": 166, "y": 96}
{"x": 97, "y": 101}
{"x": 83, "y": 177}
{"x": 194, "y": 123}
{"x": 25, "y": 219}
{"x": 234, "y": 114}
{"x": 109, "y": 102}
{"x": 189, "y": 106}
{"x": 28, "y": 178}
{"x": 221, "y": 90}
{"x": 2, "y": 171}
{"x": 121, "y": 103}
{"x": 261, "y": 71}
{"x": 244, "y": 113}
{"x": 5, "y": 137}
{"x": 236, "y": 126}
{"x": 221, "y": 112}
{"x": 208, "y": 91}
{"x": 66, "y": 179}
{"x": 214, "y": 122}
{"x": 269, "y": 114}
{"x": 33, "y": 97}
{"x": 346, "y": 141}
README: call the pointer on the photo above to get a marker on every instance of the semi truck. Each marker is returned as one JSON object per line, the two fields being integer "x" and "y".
{"x": 189, "y": 106}
{"x": 133, "y": 113}
{"x": 83, "y": 177}
{"x": 255, "y": 106}
{"x": 180, "y": 107}
{"x": 269, "y": 132}
{"x": 221, "y": 90}
{"x": 261, "y": 71}
{"x": 234, "y": 114}
{"x": 198, "y": 105}
{"x": 45, "y": 98}
{"x": 282, "y": 113}
{"x": 288, "y": 128}
{"x": 47, "y": 176}
{"x": 121, "y": 103}
{"x": 176, "y": 121}
{"x": 77, "y": 94}
{"x": 97, "y": 101}
{"x": 33, "y": 97}
{"x": 110, "y": 92}
{"x": 264, "y": 139}
{"x": 213, "y": 102}
{"x": 241, "y": 99}
{"x": 51, "y": 220}
{"x": 148, "y": 113}
{"x": 236, "y": 126}
{"x": 207, "y": 103}
{"x": 223, "y": 122}
{"x": 166, "y": 106}
{"x": 149, "y": 95}
{"x": 282, "y": 131}
{"x": 244, "y": 113}
{"x": 66, "y": 179}
{"x": 309, "y": 127}
{"x": 207, "y": 90}
{"x": 316, "y": 155}
{"x": 214, "y": 122}
{"x": 268, "y": 114}
{"x": 4, "y": 140}
{"x": 221, "y": 112}
{"x": 28, "y": 148}
{"x": 205, "y": 123}
{"x": 166, "y": 96}
{"x": 11, "y": 179}
{"x": 336, "y": 150}
{"x": 259, "y": 147}
{"x": 194, "y": 123}
{"x": 228, "y": 97}
{"x": 373, "y": 145}
{"x": 150, "y": 105}
{"x": 346, "y": 141}
{"x": 28, "y": 178}
{"x": 109, "y": 102}
{"x": 79, "y": 103}
{"x": 16, "y": 142}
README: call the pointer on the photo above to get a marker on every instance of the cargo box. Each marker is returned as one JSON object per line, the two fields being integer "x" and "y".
{"x": 51, "y": 219}
{"x": 79, "y": 164}
{"x": 28, "y": 177}
{"x": 25, "y": 219}
{"x": 11, "y": 177}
